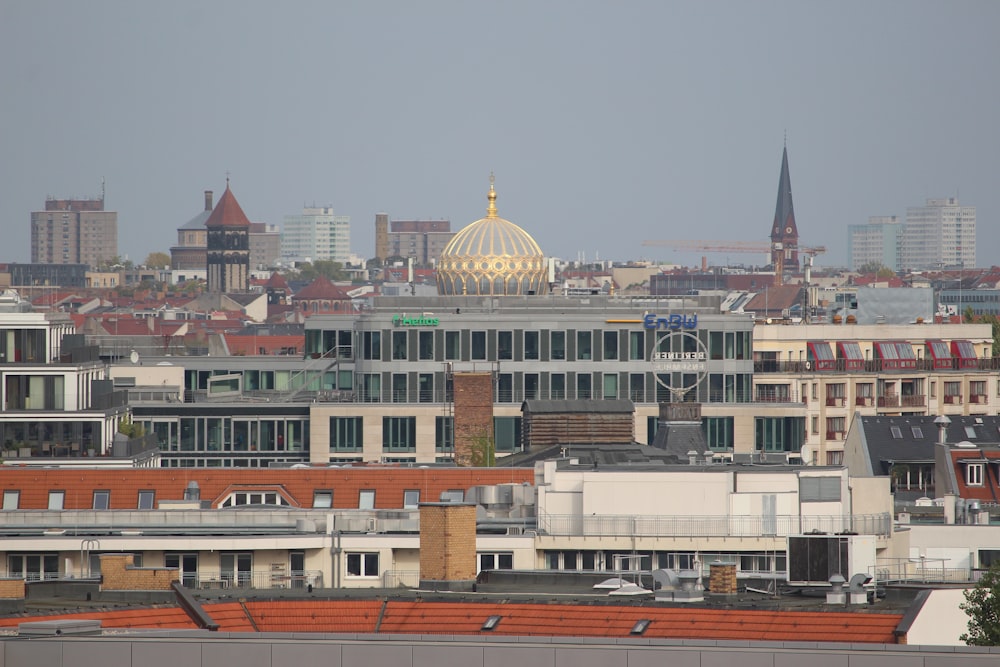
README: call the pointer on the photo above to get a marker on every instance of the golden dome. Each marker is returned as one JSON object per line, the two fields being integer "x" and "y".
{"x": 492, "y": 257}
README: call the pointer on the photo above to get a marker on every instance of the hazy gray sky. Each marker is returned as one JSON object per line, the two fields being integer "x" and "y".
{"x": 606, "y": 123}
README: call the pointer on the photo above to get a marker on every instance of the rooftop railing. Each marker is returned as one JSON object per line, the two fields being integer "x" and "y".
{"x": 711, "y": 525}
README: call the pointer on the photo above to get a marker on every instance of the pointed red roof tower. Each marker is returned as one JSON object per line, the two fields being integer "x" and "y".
{"x": 228, "y": 246}
{"x": 784, "y": 232}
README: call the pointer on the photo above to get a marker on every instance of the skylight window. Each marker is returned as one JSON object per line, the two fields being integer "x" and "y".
{"x": 897, "y": 433}
{"x": 917, "y": 432}
{"x": 970, "y": 431}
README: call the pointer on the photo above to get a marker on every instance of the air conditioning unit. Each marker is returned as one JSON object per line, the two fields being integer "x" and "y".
{"x": 515, "y": 530}
{"x": 372, "y": 526}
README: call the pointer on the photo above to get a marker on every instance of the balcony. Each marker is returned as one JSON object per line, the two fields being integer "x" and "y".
{"x": 978, "y": 399}
{"x": 864, "y": 401}
{"x": 834, "y": 435}
{"x": 835, "y": 401}
{"x": 888, "y": 401}
{"x": 953, "y": 399}
{"x": 913, "y": 401}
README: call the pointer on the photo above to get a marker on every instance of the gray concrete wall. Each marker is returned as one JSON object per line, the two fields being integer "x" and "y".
{"x": 196, "y": 649}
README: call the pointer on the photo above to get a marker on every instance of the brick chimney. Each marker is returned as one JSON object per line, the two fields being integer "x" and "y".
{"x": 447, "y": 546}
{"x": 208, "y": 200}
{"x": 473, "y": 396}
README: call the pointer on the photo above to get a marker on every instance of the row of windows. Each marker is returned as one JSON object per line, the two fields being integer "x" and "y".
{"x": 101, "y": 499}
{"x": 399, "y": 434}
{"x": 516, "y": 345}
{"x": 322, "y": 499}
{"x": 628, "y": 561}
{"x": 516, "y": 387}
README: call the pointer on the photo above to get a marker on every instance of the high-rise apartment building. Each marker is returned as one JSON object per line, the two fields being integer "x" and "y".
{"x": 317, "y": 234}
{"x": 940, "y": 235}
{"x": 74, "y": 231}
{"x": 422, "y": 240}
{"x": 878, "y": 242}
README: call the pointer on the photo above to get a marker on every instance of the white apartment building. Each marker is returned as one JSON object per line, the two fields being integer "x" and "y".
{"x": 941, "y": 234}
{"x": 875, "y": 243}
{"x": 316, "y": 234}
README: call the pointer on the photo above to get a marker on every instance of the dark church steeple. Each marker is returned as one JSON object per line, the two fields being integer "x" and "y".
{"x": 784, "y": 232}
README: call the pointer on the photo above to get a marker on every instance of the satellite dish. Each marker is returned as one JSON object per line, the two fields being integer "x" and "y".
{"x": 133, "y": 357}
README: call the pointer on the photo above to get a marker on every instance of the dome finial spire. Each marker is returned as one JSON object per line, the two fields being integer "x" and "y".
{"x": 491, "y": 210}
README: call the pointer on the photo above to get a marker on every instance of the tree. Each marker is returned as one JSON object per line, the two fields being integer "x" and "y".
{"x": 157, "y": 260}
{"x": 128, "y": 427}
{"x": 879, "y": 269}
{"x": 982, "y": 604}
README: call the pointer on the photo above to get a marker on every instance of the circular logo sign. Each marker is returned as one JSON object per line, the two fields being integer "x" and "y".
{"x": 679, "y": 352}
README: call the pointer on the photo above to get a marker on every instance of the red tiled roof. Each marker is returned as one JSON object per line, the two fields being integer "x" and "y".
{"x": 169, "y": 483}
{"x": 133, "y": 617}
{"x": 227, "y": 213}
{"x": 315, "y": 615}
{"x": 277, "y": 281}
{"x": 252, "y": 345}
{"x": 987, "y": 491}
{"x": 557, "y": 620}
{"x": 516, "y": 619}
{"x": 321, "y": 288}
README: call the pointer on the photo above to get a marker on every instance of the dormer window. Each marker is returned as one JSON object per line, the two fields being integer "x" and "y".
{"x": 974, "y": 474}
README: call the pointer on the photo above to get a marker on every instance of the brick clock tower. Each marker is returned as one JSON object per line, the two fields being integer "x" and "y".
{"x": 228, "y": 250}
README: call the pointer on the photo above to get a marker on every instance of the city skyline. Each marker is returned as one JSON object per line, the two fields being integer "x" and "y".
{"x": 652, "y": 120}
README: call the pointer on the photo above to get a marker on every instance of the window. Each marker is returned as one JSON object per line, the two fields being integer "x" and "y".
{"x": 147, "y": 500}
{"x": 346, "y": 434}
{"x": 917, "y": 432}
{"x": 56, "y": 499}
{"x": 496, "y": 561}
{"x": 718, "y": 433}
{"x": 779, "y": 434}
{"x": 366, "y": 499}
{"x": 583, "y": 386}
{"x": 558, "y": 382}
{"x": 636, "y": 349}
{"x": 835, "y": 428}
{"x": 531, "y": 345}
{"x": 531, "y": 386}
{"x": 897, "y": 433}
{"x": 11, "y": 499}
{"x": 411, "y": 498}
{"x": 399, "y": 434}
{"x": 399, "y": 388}
{"x": 241, "y": 498}
{"x": 583, "y": 345}
{"x": 425, "y": 344}
{"x": 399, "y": 344}
{"x": 478, "y": 345}
{"x": 425, "y": 388}
{"x": 371, "y": 346}
{"x": 974, "y": 474}
{"x": 322, "y": 499}
{"x": 452, "y": 496}
{"x": 815, "y": 424}
{"x": 610, "y": 386}
{"x": 610, "y": 345}
{"x": 507, "y": 433}
{"x": 101, "y": 499}
{"x": 505, "y": 345}
{"x": 362, "y": 565}
{"x": 558, "y": 347}
{"x": 444, "y": 434}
